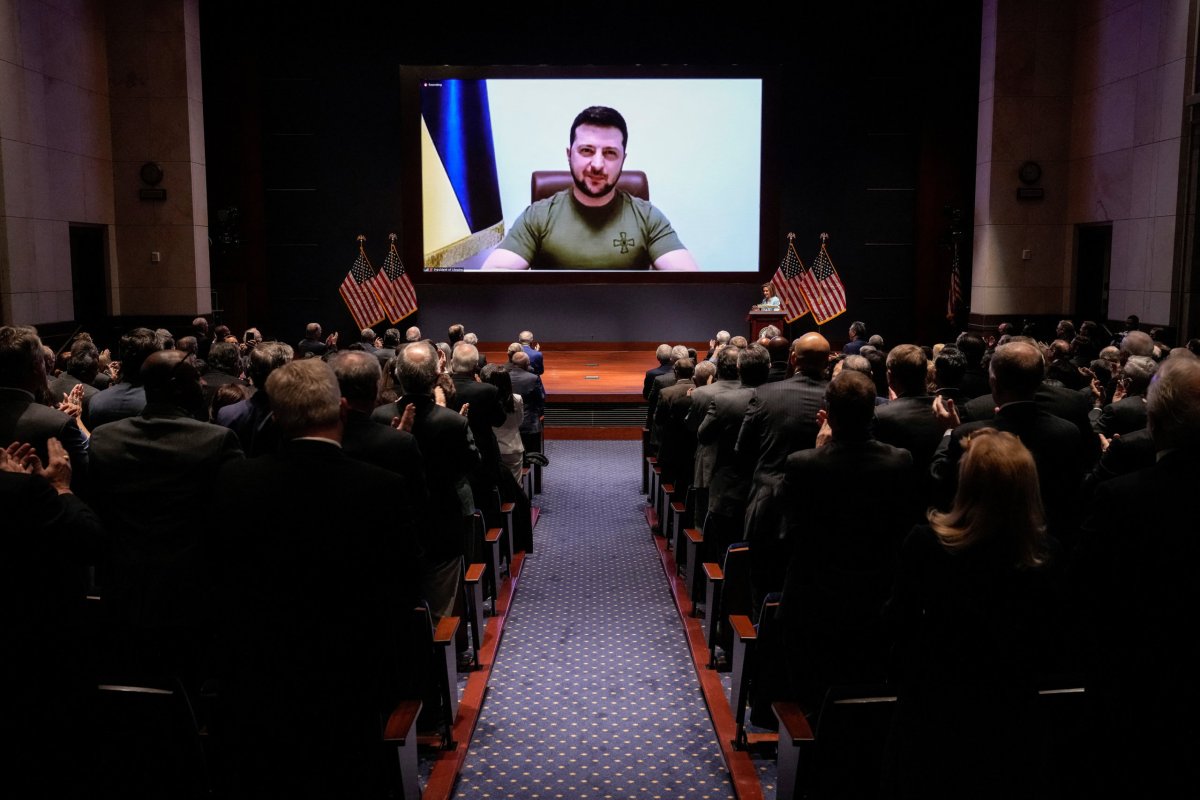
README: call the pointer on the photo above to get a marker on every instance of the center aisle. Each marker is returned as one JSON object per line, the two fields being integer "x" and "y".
{"x": 593, "y": 693}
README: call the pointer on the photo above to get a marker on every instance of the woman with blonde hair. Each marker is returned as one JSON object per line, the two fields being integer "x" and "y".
{"x": 971, "y": 615}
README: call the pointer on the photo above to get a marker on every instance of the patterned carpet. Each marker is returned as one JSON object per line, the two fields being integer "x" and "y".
{"x": 593, "y": 693}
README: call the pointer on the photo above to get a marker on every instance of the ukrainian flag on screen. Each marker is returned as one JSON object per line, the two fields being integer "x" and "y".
{"x": 459, "y": 187}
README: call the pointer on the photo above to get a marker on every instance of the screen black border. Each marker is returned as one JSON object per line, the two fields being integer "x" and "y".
{"x": 411, "y": 244}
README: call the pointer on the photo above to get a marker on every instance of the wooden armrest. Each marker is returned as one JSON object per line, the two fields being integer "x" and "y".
{"x": 475, "y": 573}
{"x": 400, "y": 723}
{"x": 792, "y": 720}
{"x": 652, "y": 460}
{"x": 657, "y": 468}
{"x": 493, "y": 535}
{"x": 506, "y": 508}
{"x": 743, "y": 628}
{"x": 713, "y": 571}
{"x": 443, "y": 634}
{"x": 694, "y": 535}
{"x": 668, "y": 488}
{"x": 678, "y": 507}
{"x": 524, "y": 471}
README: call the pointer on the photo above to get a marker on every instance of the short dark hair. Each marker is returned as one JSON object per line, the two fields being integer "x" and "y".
{"x": 727, "y": 361}
{"x": 20, "y": 351}
{"x": 358, "y": 376}
{"x": 858, "y": 328}
{"x": 949, "y": 367}
{"x": 754, "y": 363}
{"x": 601, "y": 117}
{"x": 850, "y": 399}
{"x": 909, "y": 369}
{"x": 136, "y": 347}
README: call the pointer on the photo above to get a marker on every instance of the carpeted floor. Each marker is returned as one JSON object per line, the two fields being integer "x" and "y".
{"x": 593, "y": 693}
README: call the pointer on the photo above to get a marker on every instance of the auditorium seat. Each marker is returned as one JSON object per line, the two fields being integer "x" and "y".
{"x": 752, "y": 645}
{"x": 727, "y": 592}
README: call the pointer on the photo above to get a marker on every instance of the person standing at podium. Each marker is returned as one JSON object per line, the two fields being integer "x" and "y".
{"x": 770, "y": 301}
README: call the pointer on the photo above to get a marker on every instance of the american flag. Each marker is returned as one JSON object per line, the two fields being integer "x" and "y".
{"x": 356, "y": 292}
{"x": 823, "y": 288}
{"x": 954, "y": 297}
{"x": 787, "y": 284}
{"x": 393, "y": 286}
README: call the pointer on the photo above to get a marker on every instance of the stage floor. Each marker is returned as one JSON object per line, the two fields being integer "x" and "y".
{"x": 592, "y": 376}
{"x": 592, "y": 394}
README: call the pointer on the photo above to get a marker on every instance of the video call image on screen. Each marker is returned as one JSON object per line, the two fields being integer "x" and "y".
{"x": 503, "y": 188}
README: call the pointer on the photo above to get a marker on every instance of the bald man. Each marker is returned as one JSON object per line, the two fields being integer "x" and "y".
{"x": 780, "y": 420}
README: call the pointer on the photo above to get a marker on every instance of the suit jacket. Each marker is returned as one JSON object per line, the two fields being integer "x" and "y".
{"x": 1126, "y": 416}
{"x": 677, "y": 450}
{"x": 65, "y": 383}
{"x": 722, "y": 423}
{"x": 842, "y": 561}
{"x": 153, "y": 477}
{"x": 1054, "y": 443}
{"x": 533, "y": 395}
{"x": 214, "y": 379}
{"x": 706, "y": 454}
{"x": 777, "y": 372}
{"x": 118, "y": 401}
{"x": 781, "y": 419}
{"x": 1134, "y": 588}
{"x": 363, "y": 439}
{"x": 853, "y": 346}
{"x": 449, "y": 453}
{"x": 651, "y": 375}
{"x": 23, "y": 420}
{"x": 908, "y": 422}
{"x": 1125, "y": 454}
{"x": 975, "y": 382}
{"x": 484, "y": 414}
{"x": 1067, "y": 404}
{"x": 536, "y": 364}
{"x": 251, "y": 420}
{"x": 660, "y": 382}
{"x": 316, "y": 598}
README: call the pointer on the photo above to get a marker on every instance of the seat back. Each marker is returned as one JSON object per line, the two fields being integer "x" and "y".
{"x": 851, "y": 740}
{"x": 544, "y": 183}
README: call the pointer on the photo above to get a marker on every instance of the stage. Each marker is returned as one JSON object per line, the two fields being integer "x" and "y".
{"x": 593, "y": 394}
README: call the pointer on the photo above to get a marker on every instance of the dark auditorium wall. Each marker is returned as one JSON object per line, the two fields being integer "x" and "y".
{"x": 876, "y": 131}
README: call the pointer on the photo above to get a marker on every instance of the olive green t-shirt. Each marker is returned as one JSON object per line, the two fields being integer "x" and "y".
{"x": 559, "y": 232}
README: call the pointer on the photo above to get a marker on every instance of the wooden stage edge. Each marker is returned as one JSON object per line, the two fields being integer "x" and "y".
{"x": 611, "y": 434}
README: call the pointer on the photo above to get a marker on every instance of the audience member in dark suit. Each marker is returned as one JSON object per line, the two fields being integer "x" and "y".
{"x": 1016, "y": 373}
{"x": 224, "y": 366}
{"x": 450, "y": 455}
{"x": 842, "y": 554}
{"x": 1062, "y": 368}
{"x": 391, "y": 340}
{"x": 780, "y": 349}
{"x": 250, "y": 418}
{"x": 312, "y": 345}
{"x": 152, "y": 477}
{"x": 948, "y": 368}
{"x": 858, "y": 337}
{"x": 908, "y": 420}
{"x": 533, "y": 396}
{"x": 22, "y": 419}
{"x": 662, "y": 382}
{"x": 971, "y": 612}
{"x": 317, "y": 595}
{"x": 536, "y": 363}
{"x": 1127, "y": 412}
{"x": 725, "y": 380}
{"x": 1136, "y": 589}
{"x": 82, "y": 366}
{"x": 729, "y": 488}
{"x": 663, "y": 354}
{"x": 126, "y": 398}
{"x": 781, "y": 419}
{"x": 677, "y": 444}
{"x": 975, "y": 377}
{"x": 363, "y": 439}
{"x": 50, "y": 538}
{"x": 484, "y": 413}
{"x": 1124, "y": 454}
{"x": 203, "y": 339}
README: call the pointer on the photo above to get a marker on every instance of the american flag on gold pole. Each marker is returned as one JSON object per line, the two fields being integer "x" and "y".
{"x": 787, "y": 283}
{"x": 822, "y": 287}
{"x": 356, "y": 291}
{"x": 393, "y": 286}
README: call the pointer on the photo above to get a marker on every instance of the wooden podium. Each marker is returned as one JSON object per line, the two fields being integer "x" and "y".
{"x": 761, "y": 319}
